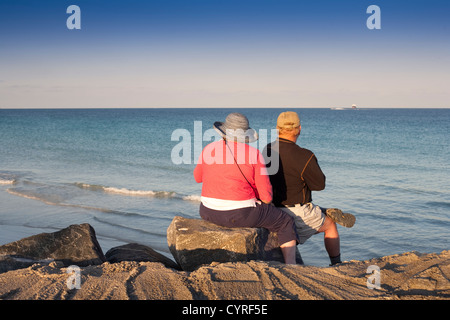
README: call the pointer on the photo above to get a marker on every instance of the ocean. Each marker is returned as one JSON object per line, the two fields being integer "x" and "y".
{"x": 128, "y": 172}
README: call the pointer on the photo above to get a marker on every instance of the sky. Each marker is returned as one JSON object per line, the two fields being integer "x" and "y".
{"x": 224, "y": 53}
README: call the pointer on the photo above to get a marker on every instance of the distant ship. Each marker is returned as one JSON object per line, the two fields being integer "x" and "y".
{"x": 342, "y": 108}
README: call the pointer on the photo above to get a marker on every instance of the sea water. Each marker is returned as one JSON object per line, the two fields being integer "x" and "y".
{"x": 115, "y": 169}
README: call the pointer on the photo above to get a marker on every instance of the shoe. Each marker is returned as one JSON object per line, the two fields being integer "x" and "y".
{"x": 344, "y": 219}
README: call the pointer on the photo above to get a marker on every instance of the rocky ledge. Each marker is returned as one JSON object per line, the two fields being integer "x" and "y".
{"x": 41, "y": 267}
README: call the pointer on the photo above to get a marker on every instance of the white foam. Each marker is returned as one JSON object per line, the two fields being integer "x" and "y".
{"x": 137, "y": 193}
{"x": 7, "y": 181}
{"x": 29, "y": 196}
{"x": 192, "y": 197}
{"x": 129, "y": 192}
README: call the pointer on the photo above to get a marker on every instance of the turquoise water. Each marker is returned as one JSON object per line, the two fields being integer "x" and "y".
{"x": 114, "y": 169}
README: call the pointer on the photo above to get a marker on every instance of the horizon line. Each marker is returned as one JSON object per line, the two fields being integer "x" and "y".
{"x": 217, "y": 107}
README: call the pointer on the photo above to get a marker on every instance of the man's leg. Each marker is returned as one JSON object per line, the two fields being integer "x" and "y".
{"x": 331, "y": 240}
{"x": 344, "y": 219}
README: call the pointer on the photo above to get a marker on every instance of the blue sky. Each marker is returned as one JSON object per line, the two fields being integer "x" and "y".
{"x": 224, "y": 53}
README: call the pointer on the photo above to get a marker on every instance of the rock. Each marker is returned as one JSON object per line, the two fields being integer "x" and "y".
{"x": 74, "y": 245}
{"x": 140, "y": 253}
{"x": 194, "y": 242}
{"x": 11, "y": 262}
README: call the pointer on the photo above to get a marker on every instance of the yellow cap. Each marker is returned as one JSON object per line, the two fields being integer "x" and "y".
{"x": 288, "y": 120}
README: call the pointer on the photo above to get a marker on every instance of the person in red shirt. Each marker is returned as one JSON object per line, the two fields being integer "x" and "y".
{"x": 236, "y": 190}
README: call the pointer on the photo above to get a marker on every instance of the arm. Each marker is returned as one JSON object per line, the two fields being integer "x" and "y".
{"x": 262, "y": 181}
{"x": 313, "y": 175}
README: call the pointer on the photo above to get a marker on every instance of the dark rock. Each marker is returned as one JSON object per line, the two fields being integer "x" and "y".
{"x": 138, "y": 252}
{"x": 194, "y": 242}
{"x": 74, "y": 245}
{"x": 11, "y": 262}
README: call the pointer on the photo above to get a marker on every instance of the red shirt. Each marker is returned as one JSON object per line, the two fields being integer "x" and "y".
{"x": 221, "y": 177}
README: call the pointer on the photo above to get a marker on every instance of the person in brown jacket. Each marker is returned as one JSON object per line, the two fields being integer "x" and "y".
{"x": 298, "y": 174}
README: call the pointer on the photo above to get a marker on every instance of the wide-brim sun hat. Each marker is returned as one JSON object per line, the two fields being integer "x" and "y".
{"x": 236, "y": 128}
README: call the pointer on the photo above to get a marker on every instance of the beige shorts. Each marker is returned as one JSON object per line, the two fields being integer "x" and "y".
{"x": 308, "y": 218}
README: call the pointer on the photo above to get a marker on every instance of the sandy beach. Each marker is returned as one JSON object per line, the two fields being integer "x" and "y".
{"x": 405, "y": 276}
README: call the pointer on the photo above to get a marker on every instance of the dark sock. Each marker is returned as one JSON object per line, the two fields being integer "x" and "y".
{"x": 335, "y": 260}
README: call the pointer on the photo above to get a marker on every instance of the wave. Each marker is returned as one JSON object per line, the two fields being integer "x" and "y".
{"x": 442, "y": 204}
{"x": 7, "y": 181}
{"x": 136, "y": 193}
{"x": 7, "y": 178}
{"x": 122, "y": 191}
{"x": 63, "y": 195}
{"x": 54, "y": 201}
{"x": 34, "y": 196}
{"x": 143, "y": 193}
{"x": 193, "y": 197}
{"x": 51, "y": 196}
